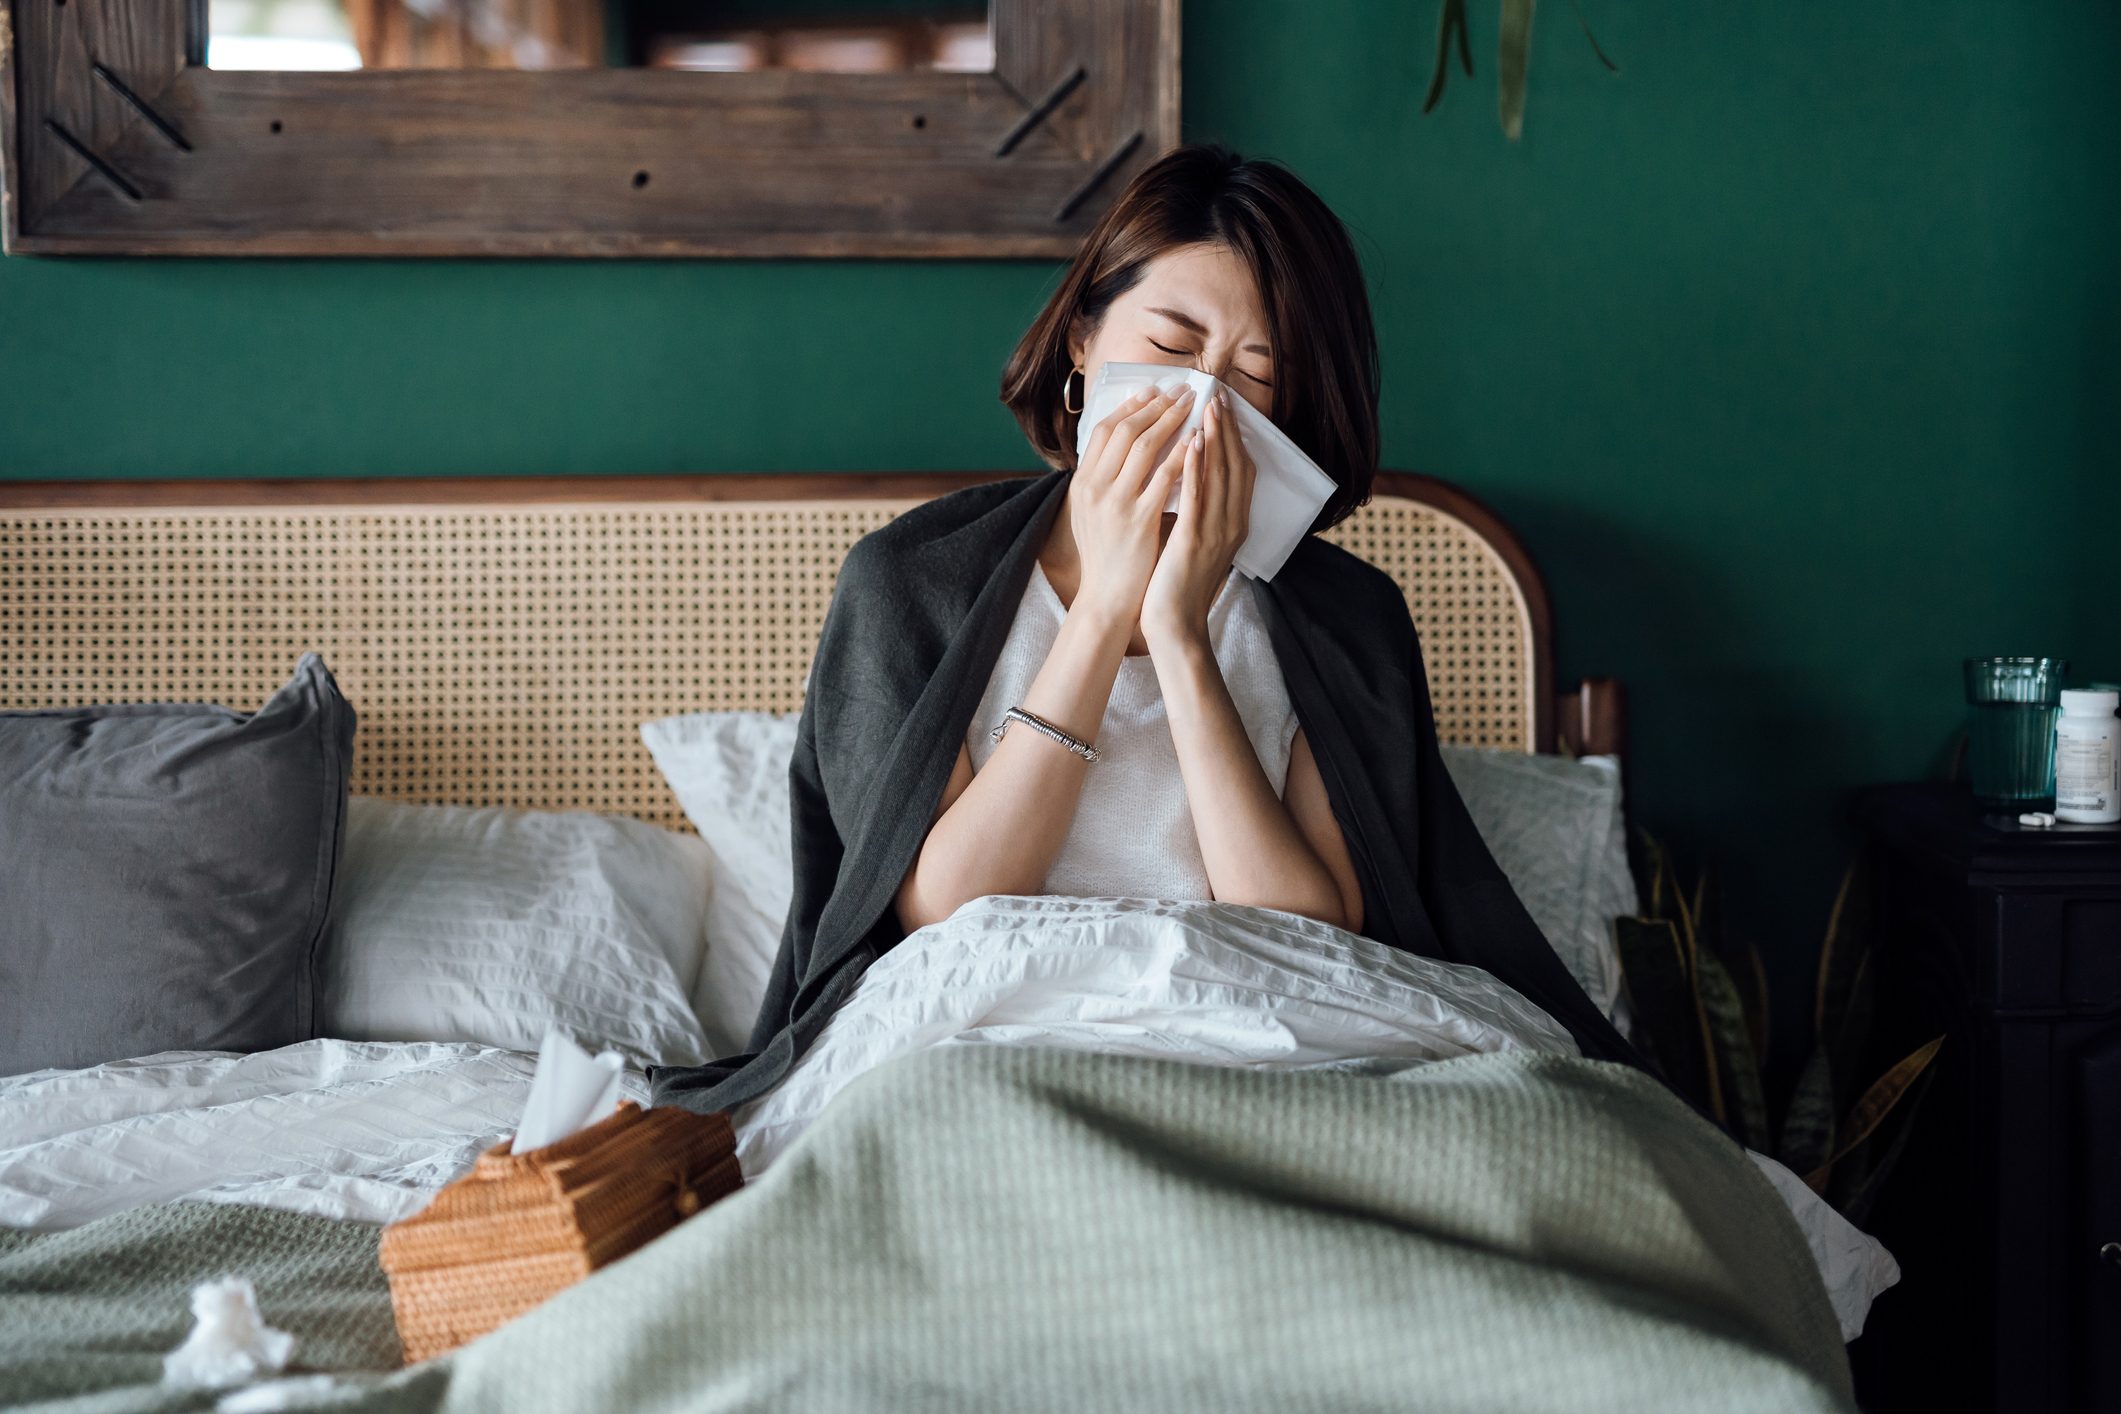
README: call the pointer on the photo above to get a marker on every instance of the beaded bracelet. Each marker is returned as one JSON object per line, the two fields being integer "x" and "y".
{"x": 1038, "y": 724}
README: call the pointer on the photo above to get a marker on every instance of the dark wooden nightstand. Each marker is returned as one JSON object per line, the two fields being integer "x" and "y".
{"x": 2005, "y": 1210}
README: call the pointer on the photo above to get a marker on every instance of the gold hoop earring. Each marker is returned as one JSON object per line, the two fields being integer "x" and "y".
{"x": 1068, "y": 382}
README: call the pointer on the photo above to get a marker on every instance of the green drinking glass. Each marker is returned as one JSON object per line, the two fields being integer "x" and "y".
{"x": 2010, "y": 730}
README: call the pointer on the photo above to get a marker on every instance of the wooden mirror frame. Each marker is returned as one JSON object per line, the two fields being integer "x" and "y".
{"x": 119, "y": 141}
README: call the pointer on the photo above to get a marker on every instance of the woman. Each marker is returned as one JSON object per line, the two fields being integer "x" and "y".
{"x": 1180, "y": 731}
{"x": 1221, "y": 800}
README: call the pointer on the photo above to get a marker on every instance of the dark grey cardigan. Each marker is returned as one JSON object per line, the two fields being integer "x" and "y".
{"x": 918, "y": 618}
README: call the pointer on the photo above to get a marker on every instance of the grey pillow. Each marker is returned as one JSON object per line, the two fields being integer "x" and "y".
{"x": 166, "y": 873}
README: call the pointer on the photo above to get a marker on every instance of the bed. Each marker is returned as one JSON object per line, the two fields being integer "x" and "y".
{"x": 505, "y": 641}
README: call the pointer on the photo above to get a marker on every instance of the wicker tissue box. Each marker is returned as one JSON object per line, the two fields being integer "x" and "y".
{"x": 520, "y": 1227}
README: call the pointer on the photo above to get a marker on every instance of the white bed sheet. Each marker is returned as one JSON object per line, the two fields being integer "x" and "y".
{"x": 366, "y": 1130}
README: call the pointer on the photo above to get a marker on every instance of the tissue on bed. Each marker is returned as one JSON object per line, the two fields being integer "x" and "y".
{"x": 1289, "y": 488}
{"x": 230, "y": 1343}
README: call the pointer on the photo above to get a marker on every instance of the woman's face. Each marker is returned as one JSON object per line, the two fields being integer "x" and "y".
{"x": 1194, "y": 306}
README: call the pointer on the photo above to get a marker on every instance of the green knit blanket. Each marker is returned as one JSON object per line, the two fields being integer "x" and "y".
{"x": 974, "y": 1228}
{"x": 983, "y": 1228}
{"x": 87, "y": 1315}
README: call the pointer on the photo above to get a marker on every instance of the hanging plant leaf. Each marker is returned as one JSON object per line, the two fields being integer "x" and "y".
{"x": 1585, "y": 24}
{"x": 1512, "y": 62}
{"x": 1737, "y": 1065}
{"x": 1450, "y": 26}
{"x": 1808, "y": 1124}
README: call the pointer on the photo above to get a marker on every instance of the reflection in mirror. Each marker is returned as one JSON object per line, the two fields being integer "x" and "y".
{"x": 830, "y": 36}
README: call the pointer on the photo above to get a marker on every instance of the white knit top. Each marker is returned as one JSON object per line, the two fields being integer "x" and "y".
{"x": 1133, "y": 836}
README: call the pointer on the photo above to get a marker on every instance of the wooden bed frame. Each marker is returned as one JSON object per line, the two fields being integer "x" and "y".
{"x": 502, "y": 638}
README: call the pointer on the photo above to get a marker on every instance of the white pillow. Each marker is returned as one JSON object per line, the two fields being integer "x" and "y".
{"x": 729, "y": 771}
{"x": 459, "y": 924}
{"x": 1553, "y": 824}
{"x": 1555, "y": 827}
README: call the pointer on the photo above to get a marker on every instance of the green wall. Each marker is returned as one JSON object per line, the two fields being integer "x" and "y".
{"x": 1792, "y": 350}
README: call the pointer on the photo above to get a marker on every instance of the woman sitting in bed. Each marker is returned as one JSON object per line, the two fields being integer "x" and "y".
{"x": 1135, "y": 632}
{"x": 1180, "y": 730}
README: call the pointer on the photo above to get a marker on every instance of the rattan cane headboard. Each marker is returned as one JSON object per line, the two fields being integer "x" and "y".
{"x": 502, "y": 639}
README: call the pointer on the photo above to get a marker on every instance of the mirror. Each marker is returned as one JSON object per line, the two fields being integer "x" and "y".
{"x": 715, "y": 36}
{"x": 833, "y": 129}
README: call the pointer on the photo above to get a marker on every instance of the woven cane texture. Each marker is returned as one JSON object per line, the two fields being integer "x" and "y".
{"x": 520, "y": 1228}
{"x": 506, "y": 654}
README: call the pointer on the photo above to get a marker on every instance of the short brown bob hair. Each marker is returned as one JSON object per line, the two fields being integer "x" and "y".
{"x": 1310, "y": 282}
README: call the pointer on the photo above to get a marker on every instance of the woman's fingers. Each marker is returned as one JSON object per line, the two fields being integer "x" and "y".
{"x": 1193, "y": 490}
{"x": 1138, "y": 466}
{"x": 1173, "y": 464}
{"x": 1230, "y": 469}
{"x": 1179, "y": 467}
{"x": 1108, "y": 426}
{"x": 1214, "y": 454}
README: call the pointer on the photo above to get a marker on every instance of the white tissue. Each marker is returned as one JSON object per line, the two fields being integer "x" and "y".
{"x": 274, "y": 1396}
{"x": 1289, "y": 487}
{"x": 569, "y": 1091}
{"x": 230, "y": 1343}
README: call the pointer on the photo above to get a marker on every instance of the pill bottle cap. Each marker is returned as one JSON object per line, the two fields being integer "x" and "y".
{"x": 2082, "y": 702}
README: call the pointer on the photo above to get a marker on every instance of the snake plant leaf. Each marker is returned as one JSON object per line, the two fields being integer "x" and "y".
{"x": 1808, "y": 1124}
{"x": 1847, "y": 929}
{"x": 1850, "y": 1044}
{"x": 1661, "y": 990}
{"x": 1855, "y": 1195}
{"x": 1688, "y": 907}
{"x": 1657, "y": 866}
{"x": 1512, "y": 61}
{"x": 1741, "y": 961}
{"x": 1450, "y": 26}
{"x": 1737, "y": 1064}
{"x": 1876, "y": 1104}
{"x": 1691, "y": 951}
{"x": 1755, "y": 990}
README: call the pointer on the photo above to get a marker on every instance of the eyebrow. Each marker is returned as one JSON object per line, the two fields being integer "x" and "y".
{"x": 1187, "y": 321}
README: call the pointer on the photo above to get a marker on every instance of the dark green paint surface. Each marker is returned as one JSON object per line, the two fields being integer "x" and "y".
{"x": 1794, "y": 351}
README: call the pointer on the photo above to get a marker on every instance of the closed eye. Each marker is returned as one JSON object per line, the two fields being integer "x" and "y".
{"x": 1182, "y": 353}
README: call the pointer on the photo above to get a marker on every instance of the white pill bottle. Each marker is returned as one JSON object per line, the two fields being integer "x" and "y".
{"x": 2088, "y": 758}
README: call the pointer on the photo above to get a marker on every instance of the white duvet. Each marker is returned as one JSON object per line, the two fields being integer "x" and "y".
{"x": 345, "y": 1129}
{"x": 370, "y": 1130}
{"x": 1217, "y": 983}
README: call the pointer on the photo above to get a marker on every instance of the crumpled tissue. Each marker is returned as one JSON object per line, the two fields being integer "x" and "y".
{"x": 277, "y": 1396}
{"x": 230, "y": 1342}
{"x": 1289, "y": 487}
{"x": 569, "y": 1091}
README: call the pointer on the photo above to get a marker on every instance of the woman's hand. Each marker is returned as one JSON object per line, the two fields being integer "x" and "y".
{"x": 1214, "y": 513}
{"x": 1116, "y": 502}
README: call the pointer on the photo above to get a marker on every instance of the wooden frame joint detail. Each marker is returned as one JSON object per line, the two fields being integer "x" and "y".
{"x": 96, "y": 164}
{"x": 1040, "y": 111}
